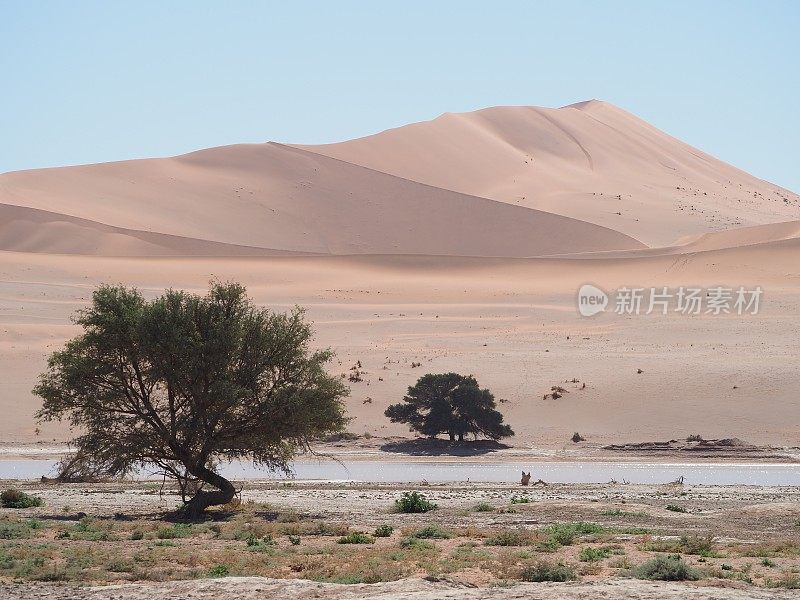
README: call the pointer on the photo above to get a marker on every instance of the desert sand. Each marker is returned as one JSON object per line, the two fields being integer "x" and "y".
{"x": 458, "y": 243}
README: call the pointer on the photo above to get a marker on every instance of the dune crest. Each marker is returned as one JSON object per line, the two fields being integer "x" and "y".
{"x": 590, "y": 160}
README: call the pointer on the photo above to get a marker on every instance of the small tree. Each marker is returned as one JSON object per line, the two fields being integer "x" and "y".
{"x": 450, "y": 403}
{"x": 183, "y": 381}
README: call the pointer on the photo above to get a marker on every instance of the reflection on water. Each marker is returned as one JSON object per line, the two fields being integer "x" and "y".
{"x": 432, "y": 471}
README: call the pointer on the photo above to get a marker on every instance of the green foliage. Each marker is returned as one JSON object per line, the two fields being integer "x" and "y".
{"x": 14, "y": 530}
{"x": 520, "y": 499}
{"x": 416, "y": 544}
{"x": 675, "y": 508}
{"x": 665, "y": 568}
{"x": 432, "y": 532}
{"x": 183, "y": 381}
{"x": 508, "y": 537}
{"x": 356, "y": 537}
{"x": 12, "y": 498}
{"x": 219, "y": 571}
{"x": 383, "y": 531}
{"x": 483, "y": 507}
{"x": 564, "y": 534}
{"x": 178, "y": 530}
{"x": 294, "y": 540}
{"x": 589, "y": 554}
{"x": 452, "y": 404}
{"x": 413, "y": 502}
{"x": 545, "y": 571}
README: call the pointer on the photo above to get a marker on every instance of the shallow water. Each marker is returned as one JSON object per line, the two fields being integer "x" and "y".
{"x": 440, "y": 471}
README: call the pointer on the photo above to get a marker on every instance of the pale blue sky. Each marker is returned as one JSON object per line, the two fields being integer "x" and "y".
{"x": 97, "y": 81}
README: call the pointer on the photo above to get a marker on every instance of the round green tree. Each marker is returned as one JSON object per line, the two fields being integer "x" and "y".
{"x": 185, "y": 381}
{"x": 452, "y": 404}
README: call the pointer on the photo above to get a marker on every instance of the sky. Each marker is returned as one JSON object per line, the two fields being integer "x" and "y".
{"x": 86, "y": 81}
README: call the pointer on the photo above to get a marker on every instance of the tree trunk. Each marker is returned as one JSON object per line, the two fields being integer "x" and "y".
{"x": 224, "y": 493}
{"x": 460, "y": 437}
{"x": 452, "y": 437}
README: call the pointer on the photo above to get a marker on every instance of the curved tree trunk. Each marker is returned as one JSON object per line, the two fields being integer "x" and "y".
{"x": 224, "y": 493}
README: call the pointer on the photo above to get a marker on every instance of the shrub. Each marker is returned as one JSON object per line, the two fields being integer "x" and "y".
{"x": 698, "y": 544}
{"x": 12, "y": 498}
{"x": 519, "y": 499}
{"x": 508, "y": 537}
{"x": 545, "y": 571}
{"x": 294, "y": 540}
{"x": 577, "y": 437}
{"x": 14, "y": 531}
{"x": 413, "y": 502}
{"x": 431, "y": 532}
{"x": 483, "y": 507}
{"x": 589, "y": 554}
{"x": 356, "y": 537}
{"x": 675, "y": 508}
{"x": 383, "y": 531}
{"x": 416, "y": 544}
{"x": 563, "y": 534}
{"x": 694, "y": 438}
{"x": 219, "y": 571}
{"x": 179, "y": 530}
{"x": 665, "y": 568}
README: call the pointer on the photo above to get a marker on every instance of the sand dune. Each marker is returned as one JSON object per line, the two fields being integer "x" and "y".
{"x": 275, "y": 197}
{"x": 590, "y": 160}
{"x": 425, "y": 245}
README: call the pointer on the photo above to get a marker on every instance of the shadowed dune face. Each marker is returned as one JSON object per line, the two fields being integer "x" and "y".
{"x": 275, "y": 198}
{"x": 591, "y": 160}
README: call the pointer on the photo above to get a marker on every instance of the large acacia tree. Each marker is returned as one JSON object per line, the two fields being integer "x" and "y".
{"x": 184, "y": 381}
{"x": 452, "y": 404}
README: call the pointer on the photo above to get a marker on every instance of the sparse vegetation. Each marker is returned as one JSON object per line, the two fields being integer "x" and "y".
{"x": 675, "y": 508}
{"x": 383, "y": 531}
{"x": 546, "y": 571}
{"x": 665, "y": 568}
{"x": 356, "y": 537}
{"x": 577, "y": 437}
{"x": 413, "y": 502}
{"x": 12, "y": 498}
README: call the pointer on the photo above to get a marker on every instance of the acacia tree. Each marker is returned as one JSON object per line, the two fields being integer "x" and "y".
{"x": 452, "y": 404}
{"x": 185, "y": 381}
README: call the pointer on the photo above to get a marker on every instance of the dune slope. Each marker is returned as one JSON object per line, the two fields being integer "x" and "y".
{"x": 590, "y": 160}
{"x": 271, "y": 196}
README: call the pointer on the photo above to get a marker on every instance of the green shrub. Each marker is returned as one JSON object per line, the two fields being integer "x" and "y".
{"x": 564, "y": 534}
{"x": 665, "y": 568}
{"x": 519, "y": 499}
{"x": 356, "y": 537}
{"x": 545, "y": 571}
{"x": 14, "y": 531}
{"x": 416, "y": 544}
{"x": 413, "y": 502}
{"x": 12, "y": 498}
{"x": 178, "y": 530}
{"x": 508, "y": 537}
{"x": 294, "y": 540}
{"x": 675, "y": 508}
{"x": 483, "y": 507}
{"x": 219, "y": 571}
{"x": 589, "y": 554}
{"x": 431, "y": 532}
{"x": 383, "y": 531}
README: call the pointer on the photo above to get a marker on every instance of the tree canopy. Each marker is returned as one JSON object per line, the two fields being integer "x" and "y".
{"x": 184, "y": 381}
{"x": 452, "y": 404}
